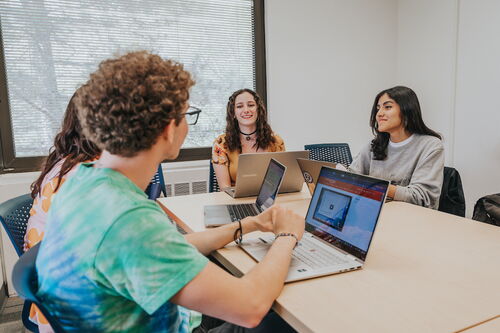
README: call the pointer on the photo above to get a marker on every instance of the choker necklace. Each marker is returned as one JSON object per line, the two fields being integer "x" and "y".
{"x": 247, "y": 136}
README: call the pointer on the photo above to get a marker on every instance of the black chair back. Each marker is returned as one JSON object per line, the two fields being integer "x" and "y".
{"x": 487, "y": 209}
{"x": 14, "y": 215}
{"x": 330, "y": 152}
{"x": 452, "y": 199}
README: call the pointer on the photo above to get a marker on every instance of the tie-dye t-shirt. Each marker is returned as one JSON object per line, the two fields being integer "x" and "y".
{"x": 110, "y": 260}
{"x": 36, "y": 226}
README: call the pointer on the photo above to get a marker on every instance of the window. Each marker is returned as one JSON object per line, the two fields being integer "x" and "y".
{"x": 49, "y": 48}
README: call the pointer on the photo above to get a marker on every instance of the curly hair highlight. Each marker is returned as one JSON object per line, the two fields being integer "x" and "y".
{"x": 129, "y": 101}
{"x": 264, "y": 133}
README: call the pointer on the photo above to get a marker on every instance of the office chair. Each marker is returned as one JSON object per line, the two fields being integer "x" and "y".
{"x": 213, "y": 186}
{"x": 14, "y": 215}
{"x": 487, "y": 209}
{"x": 452, "y": 199}
{"x": 157, "y": 185}
{"x": 330, "y": 152}
{"x": 25, "y": 281}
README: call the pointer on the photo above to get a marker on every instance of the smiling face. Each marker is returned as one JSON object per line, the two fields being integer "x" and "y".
{"x": 245, "y": 109}
{"x": 388, "y": 115}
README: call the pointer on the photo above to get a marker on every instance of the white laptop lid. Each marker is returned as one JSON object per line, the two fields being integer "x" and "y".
{"x": 345, "y": 208}
{"x": 252, "y": 168}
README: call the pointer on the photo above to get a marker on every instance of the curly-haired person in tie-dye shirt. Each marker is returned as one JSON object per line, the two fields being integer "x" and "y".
{"x": 110, "y": 260}
{"x": 69, "y": 150}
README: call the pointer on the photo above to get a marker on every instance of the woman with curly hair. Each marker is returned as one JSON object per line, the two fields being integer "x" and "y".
{"x": 70, "y": 149}
{"x": 404, "y": 150}
{"x": 247, "y": 131}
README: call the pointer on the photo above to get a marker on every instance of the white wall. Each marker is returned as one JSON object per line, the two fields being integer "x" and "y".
{"x": 477, "y": 113}
{"x": 427, "y": 60}
{"x": 326, "y": 61}
{"x": 449, "y": 52}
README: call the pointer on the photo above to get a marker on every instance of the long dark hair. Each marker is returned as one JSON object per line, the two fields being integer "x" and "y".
{"x": 411, "y": 116}
{"x": 264, "y": 132}
{"x": 69, "y": 144}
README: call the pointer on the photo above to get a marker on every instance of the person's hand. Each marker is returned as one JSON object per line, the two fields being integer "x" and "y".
{"x": 264, "y": 221}
{"x": 286, "y": 220}
{"x": 278, "y": 220}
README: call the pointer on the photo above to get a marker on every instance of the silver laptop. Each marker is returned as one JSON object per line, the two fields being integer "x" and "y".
{"x": 340, "y": 223}
{"x": 252, "y": 167}
{"x": 216, "y": 215}
{"x": 310, "y": 170}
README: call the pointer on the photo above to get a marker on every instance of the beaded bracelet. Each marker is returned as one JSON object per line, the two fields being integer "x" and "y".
{"x": 238, "y": 234}
{"x": 286, "y": 234}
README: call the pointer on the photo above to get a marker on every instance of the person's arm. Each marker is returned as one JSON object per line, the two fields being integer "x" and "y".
{"x": 244, "y": 301}
{"x": 215, "y": 238}
{"x": 222, "y": 173}
{"x": 426, "y": 181}
{"x": 361, "y": 163}
{"x": 220, "y": 162}
{"x": 391, "y": 192}
{"x": 280, "y": 144}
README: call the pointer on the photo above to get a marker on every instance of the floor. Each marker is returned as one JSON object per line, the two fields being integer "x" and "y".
{"x": 10, "y": 316}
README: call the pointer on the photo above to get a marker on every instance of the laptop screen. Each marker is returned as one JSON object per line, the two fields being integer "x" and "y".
{"x": 271, "y": 184}
{"x": 344, "y": 209}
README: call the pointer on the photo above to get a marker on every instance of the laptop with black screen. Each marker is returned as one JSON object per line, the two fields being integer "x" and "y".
{"x": 217, "y": 215}
{"x": 340, "y": 223}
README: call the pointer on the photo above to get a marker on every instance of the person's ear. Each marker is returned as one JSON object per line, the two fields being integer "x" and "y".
{"x": 169, "y": 131}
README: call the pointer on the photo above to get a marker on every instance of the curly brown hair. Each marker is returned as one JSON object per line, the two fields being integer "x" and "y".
{"x": 70, "y": 145}
{"x": 264, "y": 133}
{"x": 129, "y": 101}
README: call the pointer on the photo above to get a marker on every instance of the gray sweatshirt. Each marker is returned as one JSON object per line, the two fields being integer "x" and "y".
{"x": 415, "y": 166}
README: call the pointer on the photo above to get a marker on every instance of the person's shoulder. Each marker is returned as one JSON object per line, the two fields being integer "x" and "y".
{"x": 366, "y": 148}
{"x": 220, "y": 140}
{"x": 429, "y": 142}
{"x": 278, "y": 144}
{"x": 278, "y": 138}
{"x": 143, "y": 211}
{"x": 54, "y": 172}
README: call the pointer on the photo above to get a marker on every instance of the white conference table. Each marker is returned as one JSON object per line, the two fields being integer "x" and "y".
{"x": 426, "y": 271}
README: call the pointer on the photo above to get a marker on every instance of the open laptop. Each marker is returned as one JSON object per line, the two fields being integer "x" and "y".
{"x": 252, "y": 167}
{"x": 340, "y": 223}
{"x": 310, "y": 170}
{"x": 216, "y": 215}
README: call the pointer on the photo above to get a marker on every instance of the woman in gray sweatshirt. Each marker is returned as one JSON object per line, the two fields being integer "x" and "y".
{"x": 404, "y": 150}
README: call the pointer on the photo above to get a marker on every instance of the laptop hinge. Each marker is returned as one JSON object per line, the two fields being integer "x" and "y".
{"x": 350, "y": 256}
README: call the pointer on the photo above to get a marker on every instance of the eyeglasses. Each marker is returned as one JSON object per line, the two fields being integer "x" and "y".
{"x": 192, "y": 115}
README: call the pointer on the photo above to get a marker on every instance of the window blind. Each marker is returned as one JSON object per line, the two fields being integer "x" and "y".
{"x": 51, "y": 46}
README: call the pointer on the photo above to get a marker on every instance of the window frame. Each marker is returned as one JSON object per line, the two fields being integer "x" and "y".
{"x": 9, "y": 163}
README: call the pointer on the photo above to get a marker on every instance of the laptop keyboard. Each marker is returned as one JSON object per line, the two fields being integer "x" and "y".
{"x": 238, "y": 212}
{"x": 309, "y": 253}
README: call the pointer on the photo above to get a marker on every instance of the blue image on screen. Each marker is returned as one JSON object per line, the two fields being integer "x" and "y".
{"x": 332, "y": 208}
